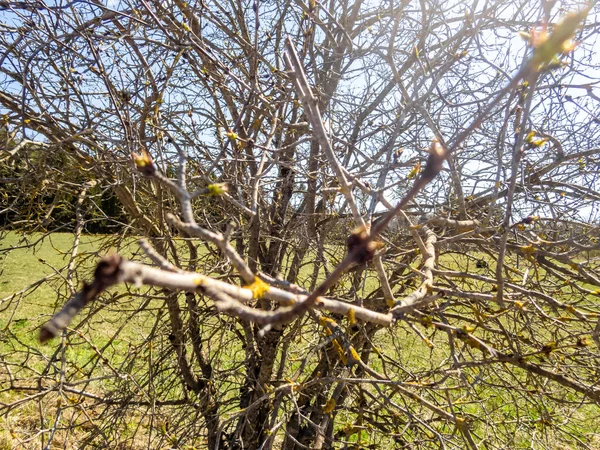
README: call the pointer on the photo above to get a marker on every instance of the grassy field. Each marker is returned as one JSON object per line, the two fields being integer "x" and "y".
{"x": 32, "y": 288}
{"x": 33, "y": 273}
{"x": 27, "y": 264}
{"x": 119, "y": 329}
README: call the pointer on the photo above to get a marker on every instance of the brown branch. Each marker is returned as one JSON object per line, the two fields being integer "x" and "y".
{"x": 105, "y": 275}
{"x": 228, "y": 298}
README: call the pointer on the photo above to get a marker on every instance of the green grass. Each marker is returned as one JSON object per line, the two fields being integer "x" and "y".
{"x": 119, "y": 327}
{"x": 30, "y": 281}
{"x": 33, "y": 281}
{"x": 32, "y": 285}
{"x": 29, "y": 261}
{"x": 116, "y": 327}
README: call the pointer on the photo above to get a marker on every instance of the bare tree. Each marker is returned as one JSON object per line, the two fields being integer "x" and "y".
{"x": 362, "y": 224}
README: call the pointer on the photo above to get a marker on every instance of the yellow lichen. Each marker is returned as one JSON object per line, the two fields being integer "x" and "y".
{"x": 324, "y": 321}
{"x": 528, "y": 249}
{"x": 351, "y": 316}
{"x": 259, "y": 288}
{"x": 340, "y": 351}
{"x": 329, "y": 406}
